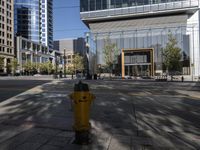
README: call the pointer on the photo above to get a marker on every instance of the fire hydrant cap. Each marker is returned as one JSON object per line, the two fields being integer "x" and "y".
{"x": 81, "y": 87}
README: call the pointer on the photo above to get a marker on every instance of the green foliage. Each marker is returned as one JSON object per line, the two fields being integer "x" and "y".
{"x": 70, "y": 70}
{"x": 46, "y": 68}
{"x": 172, "y": 55}
{"x": 110, "y": 52}
{"x": 77, "y": 63}
{"x": 14, "y": 65}
{"x": 1, "y": 63}
{"x": 30, "y": 67}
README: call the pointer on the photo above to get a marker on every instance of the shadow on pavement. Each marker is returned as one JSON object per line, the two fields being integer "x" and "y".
{"x": 124, "y": 115}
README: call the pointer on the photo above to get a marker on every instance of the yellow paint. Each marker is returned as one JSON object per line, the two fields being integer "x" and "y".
{"x": 151, "y": 50}
{"x": 123, "y": 67}
{"x": 81, "y": 106}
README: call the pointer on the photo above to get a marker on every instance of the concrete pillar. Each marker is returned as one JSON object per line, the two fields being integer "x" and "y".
{"x": 40, "y": 59}
{"x": 5, "y": 65}
{"x": 31, "y": 55}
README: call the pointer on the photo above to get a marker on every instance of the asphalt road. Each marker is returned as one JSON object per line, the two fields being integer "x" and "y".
{"x": 10, "y": 88}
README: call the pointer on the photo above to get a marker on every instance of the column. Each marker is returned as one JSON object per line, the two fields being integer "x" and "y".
{"x": 5, "y": 65}
{"x": 123, "y": 67}
{"x": 31, "y": 55}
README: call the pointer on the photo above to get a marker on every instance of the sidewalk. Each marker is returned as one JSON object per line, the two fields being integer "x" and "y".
{"x": 41, "y": 119}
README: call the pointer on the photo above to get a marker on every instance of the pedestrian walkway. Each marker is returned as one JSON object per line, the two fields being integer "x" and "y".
{"x": 42, "y": 118}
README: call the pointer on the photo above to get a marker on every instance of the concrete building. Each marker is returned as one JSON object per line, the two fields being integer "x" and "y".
{"x": 68, "y": 47}
{"x": 34, "y": 20}
{"x": 6, "y": 35}
{"x": 29, "y": 51}
{"x": 140, "y": 30}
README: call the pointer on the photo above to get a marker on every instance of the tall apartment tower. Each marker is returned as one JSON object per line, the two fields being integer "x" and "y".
{"x": 46, "y": 15}
{"x": 6, "y": 35}
{"x": 34, "y": 20}
{"x": 140, "y": 29}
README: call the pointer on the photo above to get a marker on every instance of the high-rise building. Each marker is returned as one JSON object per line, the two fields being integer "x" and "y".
{"x": 46, "y": 15}
{"x": 140, "y": 30}
{"x": 6, "y": 35}
{"x": 34, "y": 20}
{"x": 71, "y": 46}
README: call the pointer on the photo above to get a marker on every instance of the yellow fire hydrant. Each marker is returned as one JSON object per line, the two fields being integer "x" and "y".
{"x": 81, "y": 101}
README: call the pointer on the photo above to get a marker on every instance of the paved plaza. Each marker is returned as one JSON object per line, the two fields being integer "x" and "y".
{"x": 126, "y": 115}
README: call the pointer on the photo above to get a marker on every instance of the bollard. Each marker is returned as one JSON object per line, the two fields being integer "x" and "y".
{"x": 182, "y": 78}
{"x": 82, "y": 99}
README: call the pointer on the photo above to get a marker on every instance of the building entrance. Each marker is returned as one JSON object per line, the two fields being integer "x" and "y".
{"x": 137, "y": 62}
{"x": 137, "y": 70}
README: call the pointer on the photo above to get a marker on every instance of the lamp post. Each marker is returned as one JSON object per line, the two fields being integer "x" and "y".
{"x": 64, "y": 57}
{"x": 56, "y": 68}
{"x": 87, "y": 55}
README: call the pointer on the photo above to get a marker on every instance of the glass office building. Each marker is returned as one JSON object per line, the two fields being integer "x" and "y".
{"x": 140, "y": 29}
{"x": 33, "y": 20}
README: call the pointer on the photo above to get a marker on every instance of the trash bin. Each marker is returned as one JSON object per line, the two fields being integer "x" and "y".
{"x": 95, "y": 76}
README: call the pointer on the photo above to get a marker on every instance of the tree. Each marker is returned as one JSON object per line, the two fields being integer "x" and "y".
{"x": 77, "y": 63}
{"x": 49, "y": 67}
{"x": 172, "y": 55}
{"x": 42, "y": 68}
{"x": 14, "y": 65}
{"x": 46, "y": 67}
{"x": 30, "y": 67}
{"x": 110, "y": 52}
{"x": 1, "y": 63}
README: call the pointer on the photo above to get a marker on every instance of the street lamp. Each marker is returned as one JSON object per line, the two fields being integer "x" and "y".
{"x": 87, "y": 54}
{"x": 56, "y": 68}
{"x": 64, "y": 57}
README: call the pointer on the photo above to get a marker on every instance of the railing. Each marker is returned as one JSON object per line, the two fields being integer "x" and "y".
{"x": 136, "y": 10}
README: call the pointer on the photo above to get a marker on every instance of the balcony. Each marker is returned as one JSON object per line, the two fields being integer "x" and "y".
{"x": 136, "y": 11}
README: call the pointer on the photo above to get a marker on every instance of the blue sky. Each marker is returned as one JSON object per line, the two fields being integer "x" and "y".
{"x": 67, "y": 23}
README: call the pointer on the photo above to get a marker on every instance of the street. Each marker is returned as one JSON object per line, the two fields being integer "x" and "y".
{"x": 126, "y": 114}
{"x": 9, "y": 88}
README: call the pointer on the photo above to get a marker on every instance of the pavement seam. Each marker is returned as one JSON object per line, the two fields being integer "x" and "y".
{"x": 110, "y": 138}
{"x": 134, "y": 113}
{"x": 188, "y": 143}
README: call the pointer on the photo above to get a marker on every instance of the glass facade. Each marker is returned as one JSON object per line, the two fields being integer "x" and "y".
{"x": 92, "y": 5}
{"x": 152, "y": 38}
{"x": 145, "y": 24}
{"x": 33, "y": 20}
{"x": 27, "y": 19}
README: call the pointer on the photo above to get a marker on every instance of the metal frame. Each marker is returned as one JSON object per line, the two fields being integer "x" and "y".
{"x": 151, "y": 50}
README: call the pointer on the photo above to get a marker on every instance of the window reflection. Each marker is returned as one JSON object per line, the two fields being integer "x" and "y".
{"x": 92, "y": 5}
{"x": 145, "y": 38}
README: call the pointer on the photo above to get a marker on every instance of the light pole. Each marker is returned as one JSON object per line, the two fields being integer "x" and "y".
{"x": 56, "y": 68}
{"x": 64, "y": 57}
{"x": 87, "y": 55}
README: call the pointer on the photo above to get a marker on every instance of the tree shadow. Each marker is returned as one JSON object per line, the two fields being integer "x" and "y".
{"x": 124, "y": 115}
{"x": 151, "y": 111}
